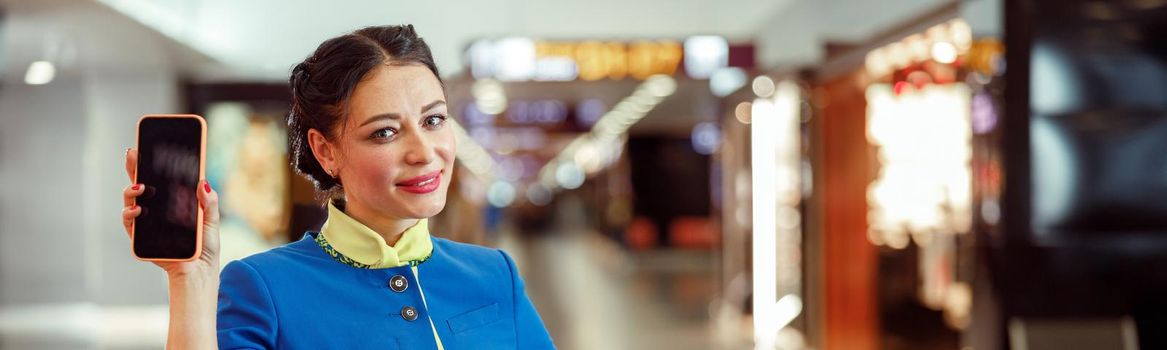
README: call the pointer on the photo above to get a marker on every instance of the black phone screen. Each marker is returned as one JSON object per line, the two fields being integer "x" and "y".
{"x": 169, "y": 164}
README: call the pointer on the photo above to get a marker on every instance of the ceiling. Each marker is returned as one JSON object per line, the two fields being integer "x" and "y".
{"x": 260, "y": 40}
{"x": 263, "y": 39}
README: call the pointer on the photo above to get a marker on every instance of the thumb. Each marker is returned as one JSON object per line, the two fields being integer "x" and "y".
{"x": 209, "y": 199}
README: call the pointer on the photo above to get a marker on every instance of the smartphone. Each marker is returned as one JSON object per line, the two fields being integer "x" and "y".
{"x": 171, "y": 156}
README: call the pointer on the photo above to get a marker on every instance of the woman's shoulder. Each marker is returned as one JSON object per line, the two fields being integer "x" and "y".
{"x": 450, "y": 247}
{"x": 473, "y": 256}
{"x": 291, "y": 267}
{"x": 303, "y": 251}
{"x": 448, "y": 256}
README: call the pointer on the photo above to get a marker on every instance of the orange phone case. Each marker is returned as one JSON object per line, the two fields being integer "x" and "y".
{"x": 202, "y": 177}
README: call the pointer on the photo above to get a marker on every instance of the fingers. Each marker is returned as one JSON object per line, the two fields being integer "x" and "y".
{"x": 129, "y": 213}
{"x": 130, "y": 208}
{"x": 131, "y": 193}
{"x": 209, "y": 199}
{"x": 131, "y": 162}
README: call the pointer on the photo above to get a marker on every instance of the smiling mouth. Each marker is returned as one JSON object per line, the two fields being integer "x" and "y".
{"x": 426, "y": 182}
{"x": 421, "y": 180}
{"x": 422, "y": 184}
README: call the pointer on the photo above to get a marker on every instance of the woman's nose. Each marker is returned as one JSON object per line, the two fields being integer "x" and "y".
{"x": 420, "y": 150}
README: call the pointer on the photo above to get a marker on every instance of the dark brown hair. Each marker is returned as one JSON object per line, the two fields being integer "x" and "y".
{"x": 324, "y": 82}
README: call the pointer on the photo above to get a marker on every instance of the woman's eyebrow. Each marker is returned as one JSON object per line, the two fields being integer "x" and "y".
{"x": 390, "y": 116}
{"x": 431, "y": 105}
{"x": 395, "y": 116}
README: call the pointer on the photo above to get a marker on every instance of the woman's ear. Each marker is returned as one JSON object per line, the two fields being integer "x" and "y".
{"x": 324, "y": 151}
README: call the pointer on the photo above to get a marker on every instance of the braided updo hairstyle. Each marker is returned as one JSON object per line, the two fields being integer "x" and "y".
{"x": 323, "y": 82}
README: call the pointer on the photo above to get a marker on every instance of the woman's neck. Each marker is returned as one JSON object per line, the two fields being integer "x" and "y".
{"x": 388, "y": 228}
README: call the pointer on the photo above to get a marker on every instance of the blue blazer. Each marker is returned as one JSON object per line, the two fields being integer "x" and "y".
{"x": 297, "y": 297}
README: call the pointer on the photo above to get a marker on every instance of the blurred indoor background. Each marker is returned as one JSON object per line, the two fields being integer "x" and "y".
{"x": 669, "y": 174}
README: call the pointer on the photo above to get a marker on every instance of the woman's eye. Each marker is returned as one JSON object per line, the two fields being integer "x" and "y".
{"x": 384, "y": 134}
{"x": 434, "y": 120}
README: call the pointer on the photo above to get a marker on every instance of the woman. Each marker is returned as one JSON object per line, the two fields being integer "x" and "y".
{"x": 369, "y": 128}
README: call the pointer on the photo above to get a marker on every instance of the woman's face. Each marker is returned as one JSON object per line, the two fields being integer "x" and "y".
{"x": 396, "y": 149}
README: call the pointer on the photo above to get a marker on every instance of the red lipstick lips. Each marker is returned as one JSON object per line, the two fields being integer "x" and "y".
{"x": 422, "y": 184}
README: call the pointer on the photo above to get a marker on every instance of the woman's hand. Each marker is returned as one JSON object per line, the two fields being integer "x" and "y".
{"x": 194, "y": 285}
{"x": 207, "y": 265}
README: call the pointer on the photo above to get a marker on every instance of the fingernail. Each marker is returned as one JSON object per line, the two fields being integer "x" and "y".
{"x": 137, "y": 187}
{"x": 207, "y": 187}
{"x": 128, "y": 150}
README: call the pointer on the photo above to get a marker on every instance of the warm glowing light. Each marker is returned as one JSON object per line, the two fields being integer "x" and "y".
{"x": 763, "y": 86}
{"x": 742, "y": 112}
{"x": 917, "y": 47}
{"x": 924, "y": 181}
{"x": 944, "y": 52}
{"x": 899, "y": 55}
{"x": 526, "y": 59}
{"x": 960, "y": 34}
{"x": 918, "y": 79}
{"x": 877, "y": 63}
{"x": 489, "y": 96}
{"x": 660, "y": 86}
{"x": 775, "y": 171}
{"x": 943, "y": 43}
{"x": 901, "y": 87}
{"x": 471, "y": 154}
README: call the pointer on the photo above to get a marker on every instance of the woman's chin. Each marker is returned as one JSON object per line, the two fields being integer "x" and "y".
{"x": 426, "y": 210}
